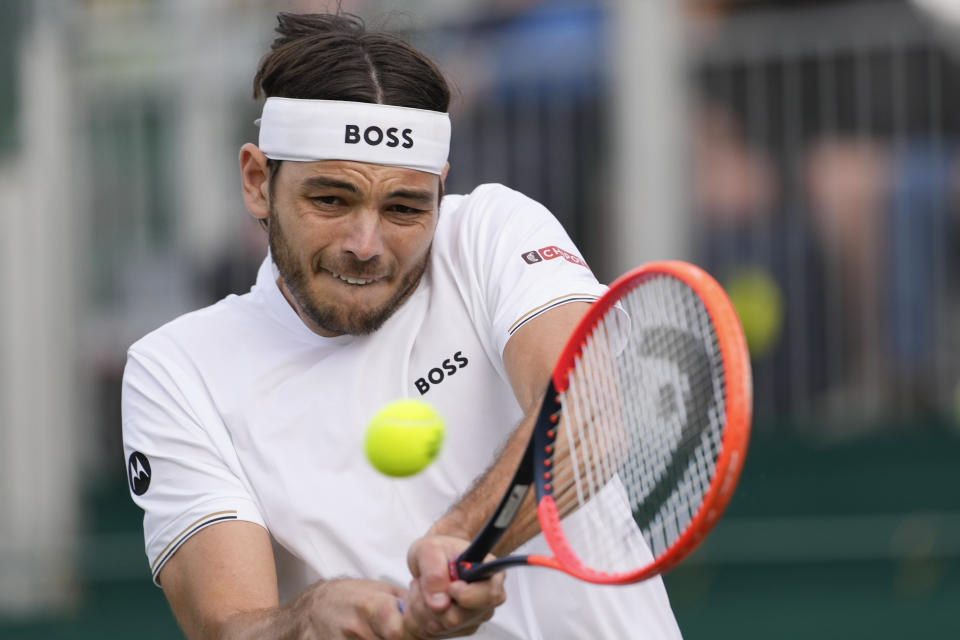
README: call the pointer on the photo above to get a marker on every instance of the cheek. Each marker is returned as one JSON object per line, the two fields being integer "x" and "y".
{"x": 307, "y": 234}
{"x": 415, "y": 244}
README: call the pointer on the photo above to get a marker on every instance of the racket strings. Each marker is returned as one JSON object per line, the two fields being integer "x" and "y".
{"x": 642, "y": 420}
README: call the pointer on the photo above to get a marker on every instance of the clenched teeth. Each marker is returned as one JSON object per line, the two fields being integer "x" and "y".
{"x": 350, "y": 280}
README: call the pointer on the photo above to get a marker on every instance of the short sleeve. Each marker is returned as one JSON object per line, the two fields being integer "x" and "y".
{"x": 181, "y": 469}
{"x": 524, "y": 261}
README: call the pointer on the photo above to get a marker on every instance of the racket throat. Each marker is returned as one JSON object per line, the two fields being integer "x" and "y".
{"x": 470, "y": 565}
{"x": 524, "y": 477}
{"x": 504, "y": 514}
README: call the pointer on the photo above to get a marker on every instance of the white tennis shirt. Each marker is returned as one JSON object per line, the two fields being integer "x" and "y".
{"x": 239, "y": 412}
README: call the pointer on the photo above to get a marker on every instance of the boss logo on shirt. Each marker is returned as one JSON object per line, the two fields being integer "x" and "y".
{"x": 447, "y": 368}
{"x": 374, "y": 135}
{"x": 549, "y": 253}
{"x": 138, "y": 472}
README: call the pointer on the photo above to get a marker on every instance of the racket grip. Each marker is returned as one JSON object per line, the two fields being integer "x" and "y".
{"x": 468, "y": 571}
{"x": 474, "y": 571}
{"x": 454, "y": 572}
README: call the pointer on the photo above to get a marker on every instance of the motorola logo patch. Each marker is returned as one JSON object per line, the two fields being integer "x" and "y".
{"x": 138, "y": 472}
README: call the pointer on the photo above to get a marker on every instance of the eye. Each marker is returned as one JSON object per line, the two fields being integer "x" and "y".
{"x": 327, "y": 200}
{"x": 402, "y": 208}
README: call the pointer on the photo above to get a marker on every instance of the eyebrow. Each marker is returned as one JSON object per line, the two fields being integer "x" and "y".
{"x": 420, "y": 196}
{"x": 331, "y": 183}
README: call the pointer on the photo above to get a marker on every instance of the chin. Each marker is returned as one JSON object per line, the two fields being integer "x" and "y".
{"x": 356, "y": 321}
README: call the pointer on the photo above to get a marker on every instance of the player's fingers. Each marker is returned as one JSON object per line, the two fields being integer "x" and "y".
{"x": 455, "y": 621}
{"x": 429, "y": 563}
{"x": 385, "y": 615}
{"x": 482, "y": 594}
{"x": 420, "y": 619}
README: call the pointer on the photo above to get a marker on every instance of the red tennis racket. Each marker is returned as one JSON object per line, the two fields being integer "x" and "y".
{"x": 641, "y": 436}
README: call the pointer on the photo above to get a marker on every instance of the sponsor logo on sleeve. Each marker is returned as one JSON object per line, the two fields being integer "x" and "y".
{"x": 549, "y": 253}
{"x": 531, "y": 256}
{"x": 138, "y": 470}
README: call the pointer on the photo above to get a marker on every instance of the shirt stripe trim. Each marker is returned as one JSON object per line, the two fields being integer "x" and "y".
{"x": 556, "y": 302}
{"x": 189, "y": 530}
{"x": 163, "y": 560}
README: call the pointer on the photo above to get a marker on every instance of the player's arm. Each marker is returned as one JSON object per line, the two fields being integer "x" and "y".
{"x": 222, "y": 583}
{"x": 529, "y": 357}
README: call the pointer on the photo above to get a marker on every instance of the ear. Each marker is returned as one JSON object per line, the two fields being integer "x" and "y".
{"x": 255, "y": 180}
{"x": 443, "y": 182}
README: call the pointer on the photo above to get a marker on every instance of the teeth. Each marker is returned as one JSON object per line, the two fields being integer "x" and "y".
{"x": 351, "y": 280}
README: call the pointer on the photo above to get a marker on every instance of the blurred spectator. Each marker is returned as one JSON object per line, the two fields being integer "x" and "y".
{"x": 917, "y": 245}
{"x": 532, "y": 76}
{"x": 735, "y": 183}
{"x": 880, "y": 212}
{"x": 764, "y": 258}
{"x": 849, "y": 183}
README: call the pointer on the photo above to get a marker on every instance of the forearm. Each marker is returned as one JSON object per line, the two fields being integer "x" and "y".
{"x": 269, "y": 623}
{"x": 279, "y": 623}
{"x": 340, "y": 608}
{"x": 529, "y": 358}
{"x": 467, "y": 517}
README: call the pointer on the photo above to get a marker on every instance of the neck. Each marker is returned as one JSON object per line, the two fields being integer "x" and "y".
{"x": 313, "y": 326}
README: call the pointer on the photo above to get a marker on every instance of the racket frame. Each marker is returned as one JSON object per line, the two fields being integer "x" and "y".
{"x": 536, "y": 466}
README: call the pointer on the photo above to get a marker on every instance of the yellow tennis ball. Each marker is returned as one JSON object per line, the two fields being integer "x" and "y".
{"x": 760, "y": 306}
{"x": 404, "y": 437}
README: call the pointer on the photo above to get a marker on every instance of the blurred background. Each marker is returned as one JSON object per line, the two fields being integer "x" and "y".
{"x": 805, "y": 153}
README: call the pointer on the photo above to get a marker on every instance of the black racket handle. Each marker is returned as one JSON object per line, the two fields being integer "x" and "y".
{"x": 472, "y": 571}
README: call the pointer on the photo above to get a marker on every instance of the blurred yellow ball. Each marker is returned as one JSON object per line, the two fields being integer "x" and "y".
{"x": 760, "y": 306}
{"x": 404, "y": 437}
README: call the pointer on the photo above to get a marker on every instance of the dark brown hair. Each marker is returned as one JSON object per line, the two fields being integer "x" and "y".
{"x": 334, "y": 57}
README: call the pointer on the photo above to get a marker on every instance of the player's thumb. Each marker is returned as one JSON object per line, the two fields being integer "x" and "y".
{"x": 429, "y": 564}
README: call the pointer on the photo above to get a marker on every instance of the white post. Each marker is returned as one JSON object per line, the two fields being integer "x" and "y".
{"x": 207, "y": 182}
{"x": 650, "y": 217}
{"x": 39, "y": 462}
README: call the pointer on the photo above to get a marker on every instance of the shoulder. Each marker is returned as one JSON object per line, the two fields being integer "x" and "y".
{"x": 487, "y": 198}
{"x": 216, "y": 325}
{"x": 489, "y": 210}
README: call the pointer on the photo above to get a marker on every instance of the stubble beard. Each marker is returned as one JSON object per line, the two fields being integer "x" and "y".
{"x": 327, "y": 316}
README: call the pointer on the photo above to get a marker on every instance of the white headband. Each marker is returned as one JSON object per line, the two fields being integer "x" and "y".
{"x": 310, "y": 130}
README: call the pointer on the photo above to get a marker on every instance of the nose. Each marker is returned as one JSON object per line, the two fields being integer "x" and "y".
{"x": 364, "y": 235}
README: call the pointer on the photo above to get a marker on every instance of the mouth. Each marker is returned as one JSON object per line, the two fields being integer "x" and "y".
{"x": 351, "y": 279}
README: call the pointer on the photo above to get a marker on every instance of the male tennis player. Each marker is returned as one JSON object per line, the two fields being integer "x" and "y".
{"x": 243, "y": 422}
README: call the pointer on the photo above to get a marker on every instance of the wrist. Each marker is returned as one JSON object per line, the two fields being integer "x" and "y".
{"x": 301, "y": 613}
{"x": 451, "y": 525}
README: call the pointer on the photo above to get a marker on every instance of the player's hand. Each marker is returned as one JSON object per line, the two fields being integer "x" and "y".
{"x": 354, "y": 609}
{"x": 438, "y": 607}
